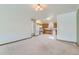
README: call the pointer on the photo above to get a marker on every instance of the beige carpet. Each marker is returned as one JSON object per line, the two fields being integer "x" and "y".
{"x": 40, "y": 45}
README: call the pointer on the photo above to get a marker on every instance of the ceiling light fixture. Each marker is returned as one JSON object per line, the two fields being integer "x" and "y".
{"x": 39, "y": 7}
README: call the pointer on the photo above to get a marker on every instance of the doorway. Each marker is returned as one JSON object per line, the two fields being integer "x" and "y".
{"x": 47, "y": 28}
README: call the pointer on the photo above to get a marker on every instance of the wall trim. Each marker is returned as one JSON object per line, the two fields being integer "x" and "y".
{"x": 18, "y": 40}
{"x": 67, "y": 41}
{"x": 15, "y": 41}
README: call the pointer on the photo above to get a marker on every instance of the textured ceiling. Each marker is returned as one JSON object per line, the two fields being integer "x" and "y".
{"x": 60, "y": 8}
{"x": 51, "y": 10}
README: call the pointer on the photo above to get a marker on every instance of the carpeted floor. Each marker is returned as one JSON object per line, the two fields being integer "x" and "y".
{"x": 40, "y": 45}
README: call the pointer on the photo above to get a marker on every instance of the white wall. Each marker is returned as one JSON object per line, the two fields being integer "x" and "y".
{"x": 67, "y": 26}
{"x": 15, "y": 22}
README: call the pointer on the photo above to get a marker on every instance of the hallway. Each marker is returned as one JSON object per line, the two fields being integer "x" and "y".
{"x": 39, "y": 45}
